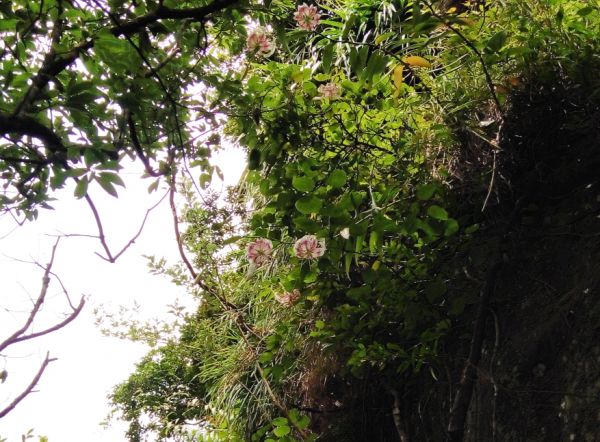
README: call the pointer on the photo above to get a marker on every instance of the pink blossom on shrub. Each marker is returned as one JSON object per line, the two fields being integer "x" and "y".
{"x": 258, "y": 42}
{"x": 307, "y": 17}
{"x": 309, "y": 247}
{"x": 288, "y": 298}
{"x": 330, "y": 90}
{"x": 259, "y": 251}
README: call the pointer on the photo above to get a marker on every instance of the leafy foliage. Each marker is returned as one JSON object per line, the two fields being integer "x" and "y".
{"x": 353, "y": 127}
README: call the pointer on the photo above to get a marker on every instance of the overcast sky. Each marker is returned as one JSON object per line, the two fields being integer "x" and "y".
{"x": 70, "y": 401}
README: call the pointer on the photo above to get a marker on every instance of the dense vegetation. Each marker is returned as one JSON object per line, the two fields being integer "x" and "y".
{"x": 376, "y": 134}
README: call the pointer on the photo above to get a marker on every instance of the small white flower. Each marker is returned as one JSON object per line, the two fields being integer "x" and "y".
{"x": 345, "y": 233}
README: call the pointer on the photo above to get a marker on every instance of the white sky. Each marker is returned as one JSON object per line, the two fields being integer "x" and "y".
{"x": 71, "y": 398}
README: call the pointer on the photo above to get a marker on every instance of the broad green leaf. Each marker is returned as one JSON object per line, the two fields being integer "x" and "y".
{"x": 303, "y": 422}
{"x": 266, "y": 357}
{"x": 327, "y": 57}
{"x": 306, "y": 224}
{"x": 437, "y": 212}
{"x": 435, "y": 290}
{"x": 426, "y": 191}
{"x": 451, "y": 227}
{"x": 280, "y": 421}
{"x": 497, "y": 41}
{"x": 303, "y": 184}
{"x": 337, "y": 178}
{"x": 113, "y": 178}
{"x": 281, "y": 431}
{"x": 81, "y": 187}
{"x": 231, "y": 240}
{"x": 107, "y": 185}
{"x": 585, "y": 11}
{"x": 309, "y": 204}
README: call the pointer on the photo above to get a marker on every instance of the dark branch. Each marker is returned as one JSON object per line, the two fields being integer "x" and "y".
{"x": 137, "y": 146}
{"x": 31, "y": 386}
{"x": 28, "y": 390}
{"x": 36, "y": 306}
{"x": 196, "y": 14}
{"x": 109, "y": 257}
{"x": 25, "y": 125}
{"x": 58, "y": 326}
{"x": 52, "y": 66}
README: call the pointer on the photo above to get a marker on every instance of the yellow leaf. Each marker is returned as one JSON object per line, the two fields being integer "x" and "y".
{"x": 375, "y": 265}
{"x": 398, "y": 76}
{"x": 417, "y": 61}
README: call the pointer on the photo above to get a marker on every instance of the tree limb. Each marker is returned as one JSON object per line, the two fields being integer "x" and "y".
{"x": 164, "y": 12}
{"x": 28, "y": 390}
{"x": 36, "y": 306}
{"x": 58, "y": 326}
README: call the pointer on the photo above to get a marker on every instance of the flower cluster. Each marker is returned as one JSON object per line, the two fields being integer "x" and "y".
{"x": 309, "y": 247}
{"x": 288, "y": 298}
{"x": 330, "y": 90}
{"x": 259, "y": 251}
{"x": 307, "y": 17}
{"x": 259, "y": 42}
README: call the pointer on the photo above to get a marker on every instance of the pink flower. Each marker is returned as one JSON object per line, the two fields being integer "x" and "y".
{"x": 307, "y": 17}
{"x": 288, "y": 298}
{"x": 308, "y": 247}
{"x": 330, "y": 90}
{"x": 259, "y": 251}
{"x": 258, "y": 42}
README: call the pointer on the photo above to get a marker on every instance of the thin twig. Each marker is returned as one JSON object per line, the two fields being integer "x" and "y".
{"x": 28, "y": 390}
{"x": 36, "y": 306}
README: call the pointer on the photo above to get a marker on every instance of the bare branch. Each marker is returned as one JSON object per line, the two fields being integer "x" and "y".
{"x": 109, "y": 257}
{"x": 56, "y": 327}
{"x": 36, "y": 306}
{"x": 28, "y": 390}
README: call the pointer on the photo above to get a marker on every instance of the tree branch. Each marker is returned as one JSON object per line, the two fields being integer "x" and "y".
{"x": 163, "y": 12}
{"x": 36, "y": 306}
{"x": 58, "y": 326}
{"x": 25, "y": 125}
{"x": 28, "y": 390}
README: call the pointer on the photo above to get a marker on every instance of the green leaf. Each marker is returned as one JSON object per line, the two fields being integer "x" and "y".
{"x": 81, "y": 187}
{"x": 438, "y": 213}
{"x": 294, "y": 415}
{"x": 280, "y": 421}
{"x": 231, "y": 240}
{"x": 319, "y": 324}
{"x": 266, "y": 357}
{"x": 107, "y": 185}
{"x": 585, "y": 11}
{"x": 327, "y": 57}
{"x": 451, "y": 227}
{"x": 359, "y": 229}
{"x": 113, "y": 178}
{"x": 309, "y": 204}
{"x": 435, "y": 290}
{"x": 152, "y": 187}
{"x": 426, "y": 191}
{"x": 281, "y": 431}
{"x": 472, "y": 228}
{"x": 306, "y": 224}
{"x": 303, "y": 184}
{"x": 303, "y": 422}
{"x": 337, "y": 178}
{"x": 497, "y": 41}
